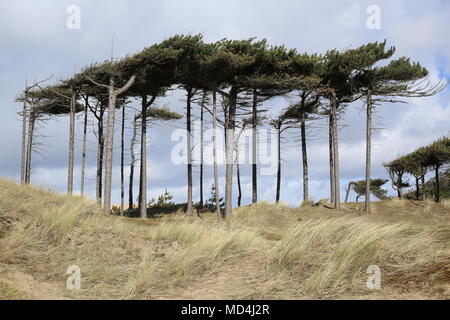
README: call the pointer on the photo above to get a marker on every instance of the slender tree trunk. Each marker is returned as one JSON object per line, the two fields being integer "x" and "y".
{"x": 330, "y": 149}
{"x": 399, "y": 189}
{"x": 423, "y": 187}
{"x": 368, "y": 152}
{"x": 24, "y": 144}
{"x": 337, "y": 201}
{"x": 438, "y": 191}
{"x": 31, "y": 124}
{"x": 216, "y": 174}
{"x": 230, "y": 125}
{"x": 100, "y": 149}
{"x": 277, "y": 197}
{"x": 417, "y": 188}
{"x": 238, "y": 176}
{"x": 132, "y": 163}
{"x": 143, "y": 171}
{"x": 83, "y": 151}
{"x": 189, "y": 151}
{"x": 305, "y": 159}
{"x": 348, "y": 191}
{"x": 201, "y": 153}
{"x": 109, "y": 147}
{"x": 238, "y": 172}
{"x": 71, "y": 143}
{"x": 254, "y": 146}
{"x": 122, "y": 163}
{"x": 112, "y": 96}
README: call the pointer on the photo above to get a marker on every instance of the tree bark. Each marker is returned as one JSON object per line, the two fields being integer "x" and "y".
{"x": 254, "y": 146}
{"x": 132, "y": 163}
{"x": 348, "y": 191}
{"x": 399, "y": 188}
{"x": 438, "y": 191}
{"x": 71, "y": 143}
{"x": 238, "y": 172}
{"x": 100, "y": 151}
{"x": 305, "y": 159}
{"x": 277, "y": 197}
{"x": 201, "y": 154}
{"x": 230, "y": 125}
{"x": 31, "y": 124}
{"x": 189, "y": 151}
{"x": 83, "y": 151}
{"x": 109, "y": 147}
{"x": 330, "y": 149}
{"x": 112, "y": 96}
{"x": 143, "y": 171}
{"x": 337, "y": 201}
{"x": 368, "y": 152}
{"x": 216, "y": 174}
{"x": 417, "y": 188}
{"x": 24, "y": 144}
{"x": 423, "y": 186}
{"x": 122, "y": 163}
{"x": 238, "y": 176}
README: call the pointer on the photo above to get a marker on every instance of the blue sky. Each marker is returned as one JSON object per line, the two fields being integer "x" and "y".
{"x": 35, "y": 43}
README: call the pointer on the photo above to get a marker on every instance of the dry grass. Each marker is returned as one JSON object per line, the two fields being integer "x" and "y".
{"x": 264, "y": 251}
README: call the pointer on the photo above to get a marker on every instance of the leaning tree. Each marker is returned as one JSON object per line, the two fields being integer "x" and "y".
{"x": 399, "y": 79}
{"x": 436, "y": 155}
{"x": 338, "y": 84}
{"x": 155, "y": 68}
{"x": 397, "y": 170}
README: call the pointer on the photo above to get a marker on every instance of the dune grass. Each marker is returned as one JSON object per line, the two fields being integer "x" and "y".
{"x": 263, "y": 251}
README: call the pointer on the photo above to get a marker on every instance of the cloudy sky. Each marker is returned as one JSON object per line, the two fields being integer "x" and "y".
{"x": 36, "y": 43}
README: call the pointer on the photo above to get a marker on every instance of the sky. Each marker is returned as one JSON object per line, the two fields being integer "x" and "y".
{"x": 38, "y": 39}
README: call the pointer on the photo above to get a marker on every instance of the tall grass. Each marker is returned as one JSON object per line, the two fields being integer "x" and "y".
{"x": 264, "y": 251}
{"x": 330, "y": 256}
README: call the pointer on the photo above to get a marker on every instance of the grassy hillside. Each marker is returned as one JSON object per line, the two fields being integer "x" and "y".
{"x": 265, "y": 251}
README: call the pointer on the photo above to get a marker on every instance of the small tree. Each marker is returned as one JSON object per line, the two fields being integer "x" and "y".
{"x": 359, "y": 187}
{"x": 215, "y": 201}
{"x": 396, "y": 170}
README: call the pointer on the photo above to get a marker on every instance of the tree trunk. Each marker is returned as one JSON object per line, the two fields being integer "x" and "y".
{"x": 368, "y": 152}
{"x": 132, "y": 163}
{"x": 330, "y": 149}
{"x": 109, "y": 147}
{"x": 254, "y": 146}
{"x": 24, "y": 144}
{"x": 438, "y": 191}
{"x": 238, "y": 172}
{"x": 337, "y": 201}
{"x": 305, "y": 159}
{"x": 423, "y": 187}
{"x": 348, "y": 191}
{"x": 201, "y": 153}
{"x": 230, "y": 125}
{"x": 143, "y": 171}
{"x": 71, "y": 143}
{"x": 189, "y": 152}
{"x": 399, "y": 188}
{"x": 83, "y": 151}
{"x": 31, "y": 124}
{"x": 112, "y": 96}
{"x": 238, "y": 175}
{"x": 417, "y": 188}
{"x": 100, "y": 149}
{"x": 122, "y": 163}
{"x": 277, "y": 197}
{"x": 216, "y": 174}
